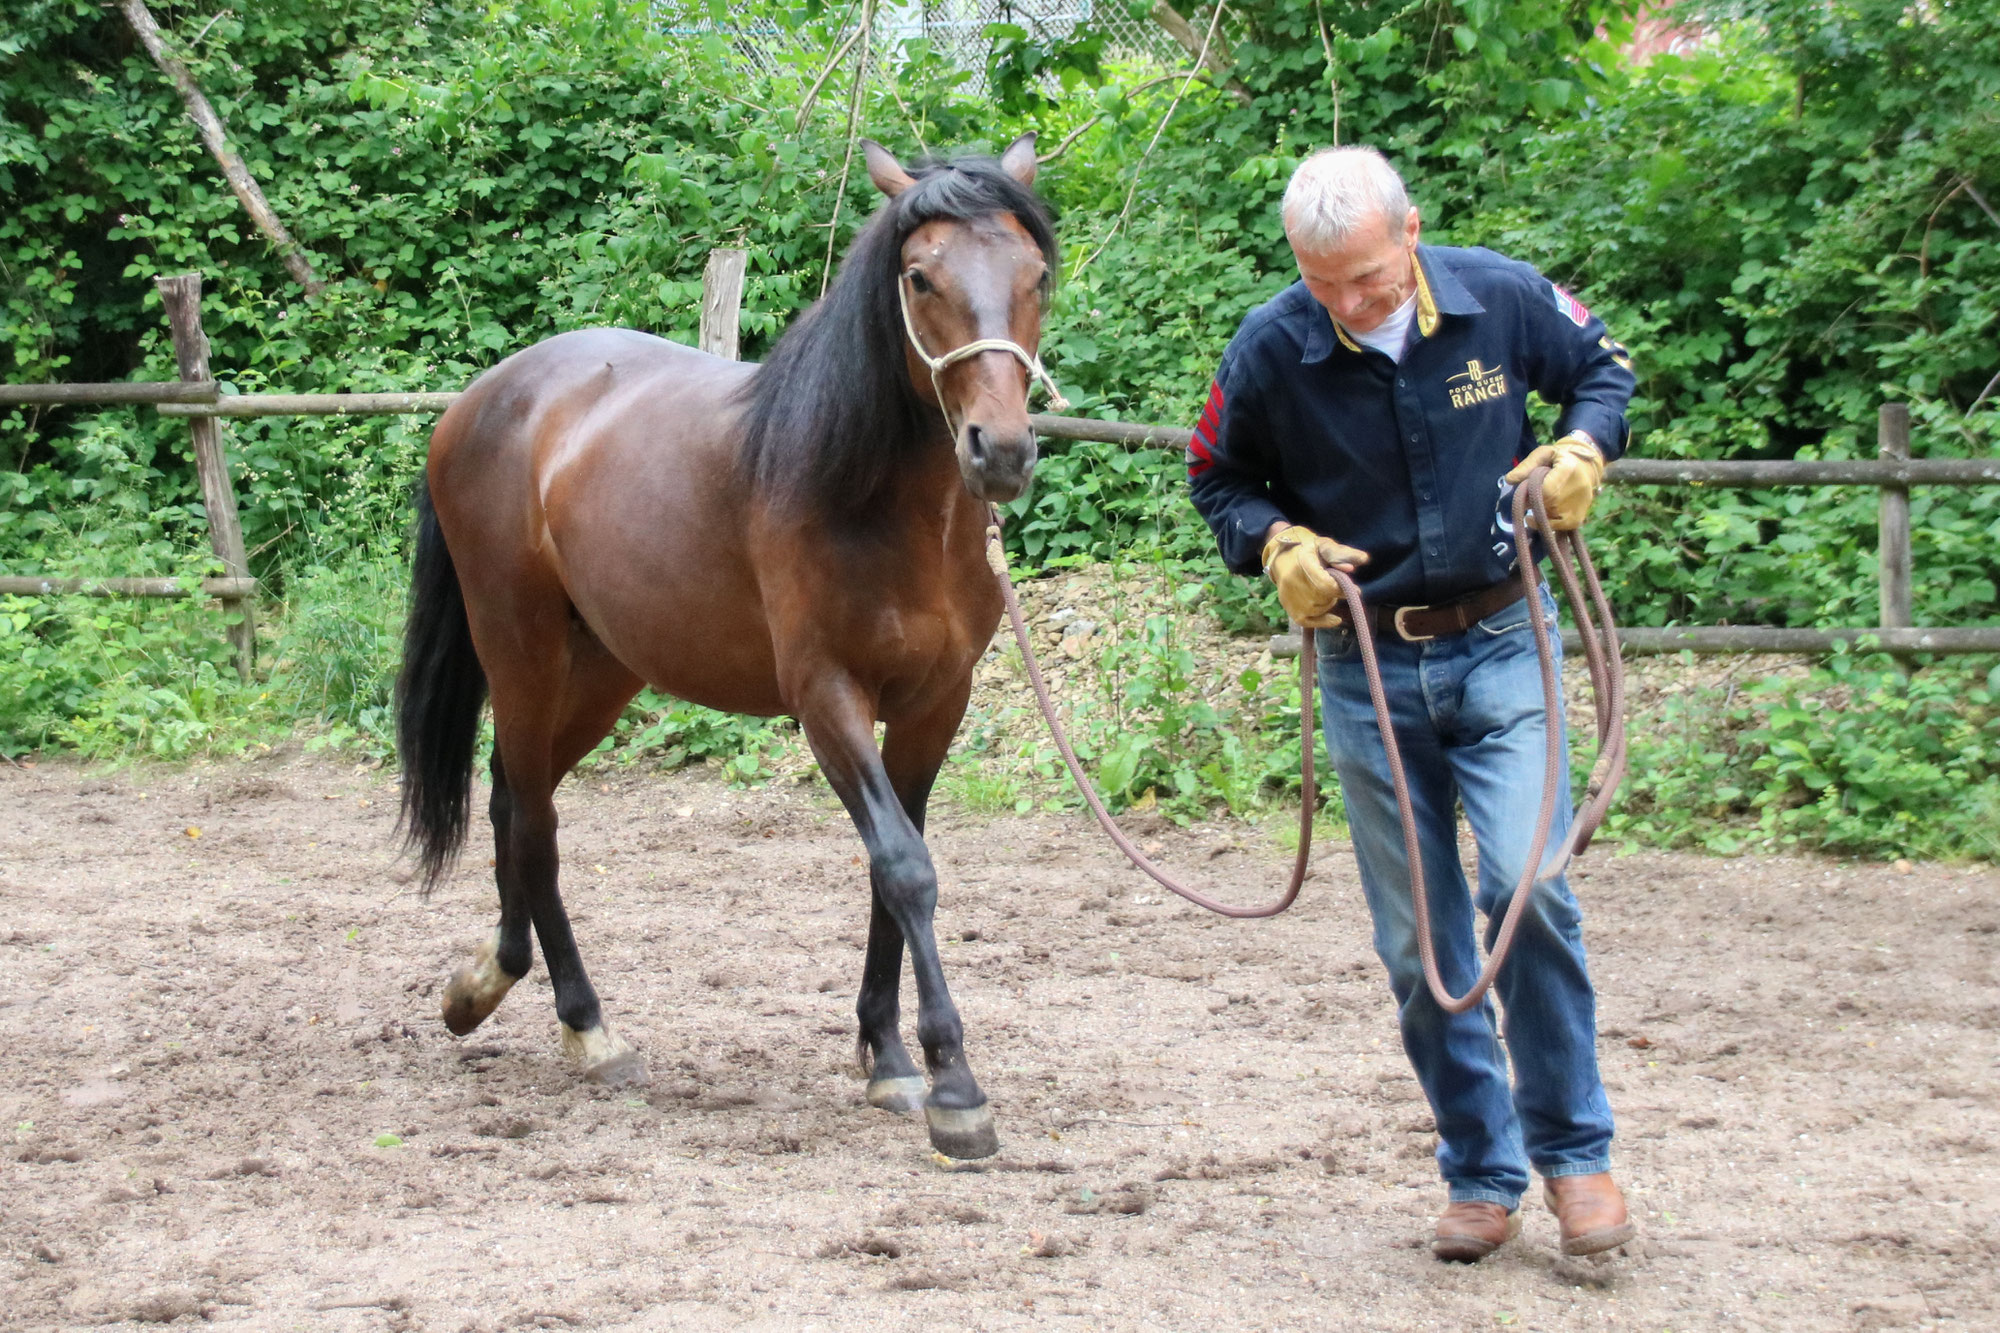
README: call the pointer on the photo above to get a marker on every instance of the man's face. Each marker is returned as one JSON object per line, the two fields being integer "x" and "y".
{"x": 1363, "y": 281}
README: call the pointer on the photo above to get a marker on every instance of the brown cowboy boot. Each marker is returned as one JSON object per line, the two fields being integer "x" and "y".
{"x": 1467, "y": 1232}
{"x": 1591, "y": 1211}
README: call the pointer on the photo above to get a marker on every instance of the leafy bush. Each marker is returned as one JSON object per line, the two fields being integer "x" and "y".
{"x": 666, "y": 732}
{"x": 1857, "y": 758}
{"x": 339, "y": 645}
{"x": 1149, "y": 728}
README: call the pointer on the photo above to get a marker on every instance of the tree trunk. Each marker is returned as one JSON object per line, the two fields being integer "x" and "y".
{"x": 1215, "y": 59}
{"x": 217, "y": 139}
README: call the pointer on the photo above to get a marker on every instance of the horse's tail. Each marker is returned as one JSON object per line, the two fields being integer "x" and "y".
{"x": 439, "y": 696}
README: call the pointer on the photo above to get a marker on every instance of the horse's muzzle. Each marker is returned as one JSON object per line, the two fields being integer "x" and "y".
{"x": 997, "y": 464}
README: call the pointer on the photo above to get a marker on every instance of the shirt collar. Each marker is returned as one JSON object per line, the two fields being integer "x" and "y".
{"x": 1446, "y": 294}
{"x": 1439, "y": 292}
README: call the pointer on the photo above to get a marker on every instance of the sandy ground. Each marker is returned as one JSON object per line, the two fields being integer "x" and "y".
{"x": 229, "y": 1096}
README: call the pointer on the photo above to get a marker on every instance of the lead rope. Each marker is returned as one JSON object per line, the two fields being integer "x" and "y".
{"x": 1607, "y": 674}
{"x": 996, "y": 557}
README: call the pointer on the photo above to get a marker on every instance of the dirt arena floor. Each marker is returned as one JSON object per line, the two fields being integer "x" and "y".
{"x": 229, "y": 1097}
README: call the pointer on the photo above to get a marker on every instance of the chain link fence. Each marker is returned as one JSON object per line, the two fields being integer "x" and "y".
{"x": 958, "y": 30}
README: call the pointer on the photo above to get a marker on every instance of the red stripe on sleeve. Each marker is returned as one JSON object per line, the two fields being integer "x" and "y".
{"x": 1200, "y": 456}
{"x": 1199, "y": 460}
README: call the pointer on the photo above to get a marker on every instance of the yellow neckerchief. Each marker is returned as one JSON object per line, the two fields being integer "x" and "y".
{"x": 1427, "y": 309}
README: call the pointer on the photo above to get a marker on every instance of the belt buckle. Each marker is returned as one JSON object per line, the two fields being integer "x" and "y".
{"x": 1397, "y": 624}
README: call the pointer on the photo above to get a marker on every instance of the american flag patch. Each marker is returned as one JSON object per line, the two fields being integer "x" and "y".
{"x": 1201, "y": 445}
{"x": 1572, "y": 308}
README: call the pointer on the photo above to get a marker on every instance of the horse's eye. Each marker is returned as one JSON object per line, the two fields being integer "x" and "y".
{"x": 1046, "y": 282}
{"x": 918, "y": 280}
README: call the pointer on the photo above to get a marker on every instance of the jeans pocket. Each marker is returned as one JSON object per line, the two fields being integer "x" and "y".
{"x": 1336, "y": 645}
{"x": 1513, "y": 618}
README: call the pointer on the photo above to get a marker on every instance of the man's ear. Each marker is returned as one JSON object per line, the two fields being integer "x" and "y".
{"x": 1019, "y": 159}
{"x": 885, "y": 170}
{"x": 1411, "y": 227}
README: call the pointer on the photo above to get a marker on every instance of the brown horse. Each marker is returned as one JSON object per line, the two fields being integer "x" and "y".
{"x": 607, "y": 509}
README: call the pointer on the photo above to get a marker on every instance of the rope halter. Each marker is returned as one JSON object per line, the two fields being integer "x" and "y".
{"x": 939, "y": 364}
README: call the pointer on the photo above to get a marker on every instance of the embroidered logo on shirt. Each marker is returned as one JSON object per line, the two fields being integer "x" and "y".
{"x": 1480, "y": 384}
{"x": 1572, "y": 308}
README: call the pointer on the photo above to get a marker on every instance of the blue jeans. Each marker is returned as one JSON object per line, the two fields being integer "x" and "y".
{"x": 1468, "y": 715}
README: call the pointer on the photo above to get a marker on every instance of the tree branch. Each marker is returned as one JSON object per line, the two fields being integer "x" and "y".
{"x": 216, "y": 137}
{"x": 1077, "y": 133}
{"x": 1984, "y": 394}
{"x": 1212, "y": 54}
{"x": 1201, "y": 59}
{"x": 1965, "y": 183}
{"x": 832, "y": 63}
{"x": 853, "y": 112}
{"x": 1332, "y": 68}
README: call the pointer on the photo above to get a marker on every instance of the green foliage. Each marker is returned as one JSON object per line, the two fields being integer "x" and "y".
{"x": 109, "y": 675}
{"x": 1855, "y": 758}
{"x": 1789, "y": 225}
{"x": 1151, "y": 732}
{"x": 467, "y": 179}
{"x": 665, "y": 732}
{"x": 1795, "y": 238}
{"x": 338, "y": 649}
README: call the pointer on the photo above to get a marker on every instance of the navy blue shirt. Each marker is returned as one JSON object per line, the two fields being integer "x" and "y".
{"x": 1403, "y": 460}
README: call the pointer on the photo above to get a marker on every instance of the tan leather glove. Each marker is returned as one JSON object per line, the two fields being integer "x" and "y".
{"x": 1576, "y": 474}
{"x": 1297, "y": 560}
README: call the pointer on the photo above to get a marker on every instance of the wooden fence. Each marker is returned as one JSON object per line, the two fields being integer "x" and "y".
{"x": 197, "y": 398}
{"x": 236, "y": 590}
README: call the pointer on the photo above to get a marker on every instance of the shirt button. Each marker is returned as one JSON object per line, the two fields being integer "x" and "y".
{"x": 1402, "y": 384}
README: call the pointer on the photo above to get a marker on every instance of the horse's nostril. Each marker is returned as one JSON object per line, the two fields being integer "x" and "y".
{"x": 975, "y": 444}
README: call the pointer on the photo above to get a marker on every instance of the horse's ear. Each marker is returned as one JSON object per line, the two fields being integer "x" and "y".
{"x": 885, "y": 170}
{"x": 1019, "y": 159}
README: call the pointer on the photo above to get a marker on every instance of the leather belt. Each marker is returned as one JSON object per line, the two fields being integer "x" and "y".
{"x": 1416, "y": 624}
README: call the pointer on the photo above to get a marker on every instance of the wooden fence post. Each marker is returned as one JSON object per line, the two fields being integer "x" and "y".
{"x": 722, "y": 301}
{"x": 181, "y": 294}
{"x": 1893, "y": 555}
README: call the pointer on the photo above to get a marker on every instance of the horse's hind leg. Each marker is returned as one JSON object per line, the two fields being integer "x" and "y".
{"x": 546, "y": 718}
{"x": 596, "y": 689}
{"x": 476, "y": 989}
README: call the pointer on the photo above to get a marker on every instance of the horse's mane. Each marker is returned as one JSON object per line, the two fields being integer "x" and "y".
{"x": 830, "y": 415}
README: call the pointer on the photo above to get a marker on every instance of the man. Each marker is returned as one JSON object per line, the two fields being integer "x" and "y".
{"x": 1372, "y": 419}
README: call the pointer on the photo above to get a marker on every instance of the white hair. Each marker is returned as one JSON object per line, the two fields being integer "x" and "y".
{"x": 1337, "y": 193}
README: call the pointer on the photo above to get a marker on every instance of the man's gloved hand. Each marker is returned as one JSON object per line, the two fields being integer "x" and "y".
{"x": 1297, "y": 560}
{"x": 1576, "y": 472}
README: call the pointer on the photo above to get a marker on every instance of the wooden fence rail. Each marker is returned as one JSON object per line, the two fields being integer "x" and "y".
{"x": 30, "y": 585}
{"x": 125, "y": 391}
{"x": 203, "y": 403}
{"x": 1894, "y": 472}
{"x": 196, "y": 389}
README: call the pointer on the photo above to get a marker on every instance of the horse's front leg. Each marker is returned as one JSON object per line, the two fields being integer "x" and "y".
{"x": 888, "y": 814}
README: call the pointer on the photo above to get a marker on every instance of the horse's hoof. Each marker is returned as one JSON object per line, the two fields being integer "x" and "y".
{"x": 475, "y": 991}
{"x": 624, "y": 1070}
{"x": 904, "y": 1096}
{"x": 605, "y": 1059}
{"x": 465, "y": 1005}
{"x": 964, "y": 1134}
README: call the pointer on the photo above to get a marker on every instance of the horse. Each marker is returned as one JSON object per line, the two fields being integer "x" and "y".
{"x": 606, "y": 510}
